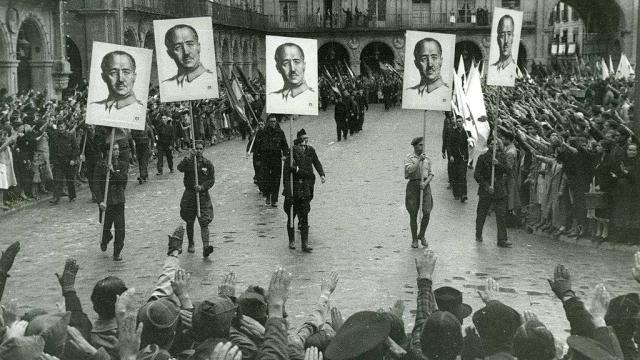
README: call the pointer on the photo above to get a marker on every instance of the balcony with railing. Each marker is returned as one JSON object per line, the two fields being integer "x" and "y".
{"x": 219, "y": 13}
{"x": 391, "y": 20}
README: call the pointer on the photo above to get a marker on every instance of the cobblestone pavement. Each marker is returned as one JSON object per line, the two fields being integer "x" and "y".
{"x": 359, "y": 227}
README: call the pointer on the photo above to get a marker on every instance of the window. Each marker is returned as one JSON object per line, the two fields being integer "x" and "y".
{"x": 574, "y": 15}
{"x": 465, "y": 7}
{"x": 575, "y": 35}
{"x": 421, "y": 1}
{"x": 288, "y": 11}
{"x": 382, "y": 10}
{"x": 511, "y": 4}
{"x": 565, "y": 36}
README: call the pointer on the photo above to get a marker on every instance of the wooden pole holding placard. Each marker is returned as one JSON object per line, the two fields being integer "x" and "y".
{"x": 291, "y": 223}
{"x": 496, "y": 123}
{"x": 424, "y": 135}
{"x": 195, "y": 158}
{"x": 106, "y": 182}
{"x": 84, "y": 146}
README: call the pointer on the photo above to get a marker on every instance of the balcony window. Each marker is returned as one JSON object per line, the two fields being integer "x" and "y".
{"x": 465, "y": 7}
{"x": 382, "y": 10}
{"x": 511, "y": 4}
{"x": 288, "y": 11}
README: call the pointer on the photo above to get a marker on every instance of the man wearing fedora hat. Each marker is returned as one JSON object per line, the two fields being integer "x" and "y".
{"x": 450, "y": 299}
{"x": 298, "y": 202}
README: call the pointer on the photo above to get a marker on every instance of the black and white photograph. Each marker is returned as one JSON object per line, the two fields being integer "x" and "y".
{"x": 356, "y": 191}
{"x": 292, "y": 75}
{"x": 428, "y": 75}
{"x": 503, "y": 52}
{"x": 186, "y": 59}
{"x": 118, "y": 86}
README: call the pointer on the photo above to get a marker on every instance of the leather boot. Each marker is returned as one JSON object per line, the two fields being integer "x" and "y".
{"x": 175, "y": 240}
{"x": 304, "y": 235}
{"x": 191, "y": 248}
{"x": 207, "y": 249}
{"x": 290, "y": 233}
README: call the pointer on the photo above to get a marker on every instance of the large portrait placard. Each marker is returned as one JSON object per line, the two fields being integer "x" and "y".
{"x": 505, "y": 44}
{"x": 292, "y": 75}
{"x": 118, "y": 86}
{"x": 186, "y": 59}
{"x": 428, "y": 71}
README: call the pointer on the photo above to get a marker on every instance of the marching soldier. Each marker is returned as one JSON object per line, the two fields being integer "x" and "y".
{"x": 113, "y": 209}
{"x": 188, "y": 205}
{"x": 458, "y": 155}
{"x": 417, "y": 169}
{"x": 271, "y": 147}
{"x": 341, "y": 115}
{"x": 144, "y": 140}
{"x": 495, "y": 195}
{"x": 363, "y": 105}
{"x": 304, "y": 160}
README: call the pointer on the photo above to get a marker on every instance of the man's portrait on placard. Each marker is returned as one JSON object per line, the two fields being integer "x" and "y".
{"x": 118, "y": 85}
{"x": 505, "y": 43}
{"x": 185, "y": 55}
{"x": 292, "y": 75}
{"x": 428, "y": 71}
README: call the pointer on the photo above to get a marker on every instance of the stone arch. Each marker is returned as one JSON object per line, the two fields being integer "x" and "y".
{"x": 606, "y": 18}
{"x": 33, "y": 55}
{"x": 74, "y": 57}
{"x": 332, "y": 53}
{"x": 373, "y": 54}
{"x": 470, "y": 50}
{"x": 226, "y": 51}
{"x": 130, "y": 37}
{"x": 523, "y": 60}
{"x": 7, "y": 52}
{"x": 149, "y": 41}
{"x": 33, "y": 27}
{"x": 235, "y": 49}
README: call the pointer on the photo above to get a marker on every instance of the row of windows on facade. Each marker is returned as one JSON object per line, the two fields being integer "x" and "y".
{"x": 562, "y": 13}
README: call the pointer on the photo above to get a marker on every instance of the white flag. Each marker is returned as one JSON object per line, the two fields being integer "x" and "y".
{"x": 624, "y": 68}
{"x": 605, "y": 70}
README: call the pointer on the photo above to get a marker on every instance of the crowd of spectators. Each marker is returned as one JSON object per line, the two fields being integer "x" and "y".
{"x": 572, "y": 159}
{"x": 46, "y": 143}
{"x": 254, "y": 323}
{"x": 383, "y": 87}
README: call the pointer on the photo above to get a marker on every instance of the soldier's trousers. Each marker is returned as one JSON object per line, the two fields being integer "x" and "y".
{"x": 459, "y": 178}
{"x": 500, "y": 208}
{"x": 114, "y": 216}
{"x": 272, "y": 173}
{"x": 142, "y": 153}
{"x": 63, "y": 172}
{"x": 342, "y": 129}
{"x": 164, "y": 151}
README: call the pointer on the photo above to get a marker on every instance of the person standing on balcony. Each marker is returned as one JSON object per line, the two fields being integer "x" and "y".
{"x": 348, "y": 17}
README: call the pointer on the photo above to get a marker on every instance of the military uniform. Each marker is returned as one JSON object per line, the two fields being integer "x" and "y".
{"x": 63, "y": 150}
{"x": 341, "y": 115}
{"x": 304, "y": 160}
{"x": 188, "y": 205}
{"x": 114, "y": 213}
{"x": 143, "y": 139}
{"x": 271, "y": 145}
{"x": 498, "y": 198}
{"x": 457, "y": 157}
{"x": 165, "y": 143}
{"x": 363, "y": 105}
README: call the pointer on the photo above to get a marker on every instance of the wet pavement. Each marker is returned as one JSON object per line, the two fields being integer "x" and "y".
{"x": 359, "y": 227}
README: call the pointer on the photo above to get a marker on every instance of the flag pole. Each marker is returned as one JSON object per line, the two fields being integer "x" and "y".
{"x": 106, "y": 182}
{"x": 195, "y": 158}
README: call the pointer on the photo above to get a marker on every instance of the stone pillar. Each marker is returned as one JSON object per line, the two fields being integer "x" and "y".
{"x": 61, "y": 67}
{"x": 42, "y": 75}
{"x": 9, "y": 75}
{"x": 541, "y": 35}
{"x": 355, "y": 67}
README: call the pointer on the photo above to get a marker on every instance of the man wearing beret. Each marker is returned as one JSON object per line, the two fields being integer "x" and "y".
{"x": 417, "y": 169}
{"x": 298, "y": 202}
{"x": 188, "y": 203}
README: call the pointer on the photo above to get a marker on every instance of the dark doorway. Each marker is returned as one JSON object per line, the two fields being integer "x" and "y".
{"x": 75, "y": 60}
{"x": 373, "y": 56}
{"x": 332, "y": 56}
{"x": 470, "y": 52}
